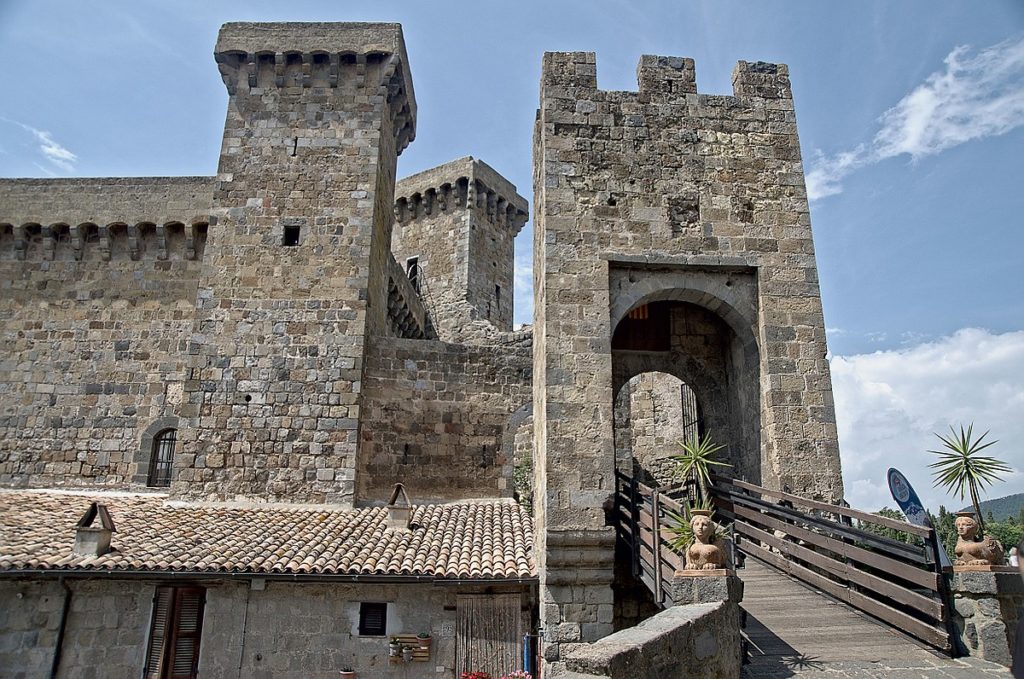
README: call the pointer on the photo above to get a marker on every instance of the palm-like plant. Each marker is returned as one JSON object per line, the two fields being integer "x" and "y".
{"x": 696, "y": 461}
{"x": 961, "y": 470}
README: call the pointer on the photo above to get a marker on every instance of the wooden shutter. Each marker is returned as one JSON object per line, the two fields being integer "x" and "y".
{"x": 162, "y": 603}
{"x": 488, "y": 633}
{"x": 174, "y": 636}
{"x": 188, "y": 623}
{"x": 373, "y": 619}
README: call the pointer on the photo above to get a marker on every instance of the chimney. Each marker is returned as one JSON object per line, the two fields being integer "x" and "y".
{"x": 94, "y": 540}
{"x": 399, "y": 508}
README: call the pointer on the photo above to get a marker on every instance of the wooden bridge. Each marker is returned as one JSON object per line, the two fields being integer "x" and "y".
{"x": 821, "y": 589}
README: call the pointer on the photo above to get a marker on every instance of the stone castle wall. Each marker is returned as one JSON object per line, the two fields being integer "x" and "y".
{"x": 97, "y": 289}
{"x": 438, "y": 418}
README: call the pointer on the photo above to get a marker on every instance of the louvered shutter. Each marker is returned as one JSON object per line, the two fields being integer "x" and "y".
{"x": 162, "y": 602}
{"x": 184, "y": 656}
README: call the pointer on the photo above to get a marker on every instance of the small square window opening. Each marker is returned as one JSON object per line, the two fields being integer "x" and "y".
{"x": 373, "y": 619}
{"x": 291, "y": 236}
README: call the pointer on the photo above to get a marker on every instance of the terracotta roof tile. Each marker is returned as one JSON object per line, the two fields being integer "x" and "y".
{"x": 479, "y": 539}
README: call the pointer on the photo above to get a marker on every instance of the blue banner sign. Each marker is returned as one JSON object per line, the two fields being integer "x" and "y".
{"x": 911, "y": 506}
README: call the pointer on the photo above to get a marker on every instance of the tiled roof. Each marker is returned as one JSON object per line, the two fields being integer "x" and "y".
{"x": 480, "y": 539}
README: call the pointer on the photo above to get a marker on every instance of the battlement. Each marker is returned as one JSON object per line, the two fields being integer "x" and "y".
{"x": 119, "y": 217}
{"x": 457, "y": 185}
{"x": 667, "y": 76}
{"x": 331, "y": 57}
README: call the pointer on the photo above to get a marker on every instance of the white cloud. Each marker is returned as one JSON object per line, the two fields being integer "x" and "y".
{"x": 975, "y": 96}
{"x": 58, "y": 155}
{"x": 890, "y": 404}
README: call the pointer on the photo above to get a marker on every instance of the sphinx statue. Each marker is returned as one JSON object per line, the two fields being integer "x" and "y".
{"x": 704, "y": 553}
{"x": 973, "y": 552}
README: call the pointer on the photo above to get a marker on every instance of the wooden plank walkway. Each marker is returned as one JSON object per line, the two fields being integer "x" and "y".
{"x": 796, "y": 631}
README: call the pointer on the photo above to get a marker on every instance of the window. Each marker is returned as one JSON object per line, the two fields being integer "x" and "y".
{"x": 174, "y": 635}
{"x": 162, "y": 459}
{"x": 497, "y": 296}
{"x": 373, "y": 619}
{"x": 291, "y": 235}
{"x": 412, "y": 270}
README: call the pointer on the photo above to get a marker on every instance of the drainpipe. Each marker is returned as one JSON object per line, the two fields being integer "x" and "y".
{"x": 60, "y": 630}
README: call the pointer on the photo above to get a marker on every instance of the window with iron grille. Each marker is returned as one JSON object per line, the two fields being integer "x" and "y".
{"x": 162, "y": 459}
{"x": 693, "y": 424}
{"x": 412, "y": 270}
{"x": 173, "y": 651}
{"x": 373, "y": 619}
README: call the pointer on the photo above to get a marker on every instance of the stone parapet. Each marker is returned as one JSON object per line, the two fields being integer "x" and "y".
{"x": 462, "y": 183}
{"x": 699, "y": 640}
{"x": 254, "y": 57}
{"x": 988, "y": 600}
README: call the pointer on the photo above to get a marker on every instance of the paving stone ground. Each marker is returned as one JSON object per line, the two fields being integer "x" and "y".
{"x": 796, "y": 631}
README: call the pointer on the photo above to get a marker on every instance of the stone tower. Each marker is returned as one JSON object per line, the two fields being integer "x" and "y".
{"x": 455, "y": 236}
{"x": 295, "y": 272}
{"x": 672, "y": 234}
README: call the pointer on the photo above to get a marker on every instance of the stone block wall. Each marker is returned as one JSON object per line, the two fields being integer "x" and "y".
{"x": 105, "y": 635}
{"x": 694, "y": 641}
{"x": 438, "y": 417}
{"x": 988, "y": 605}
{"x": 97, "y": 290}
{"x": 296, "y": 272}
{"x": 663, "y": 184}
{"x": 107, "y": 631}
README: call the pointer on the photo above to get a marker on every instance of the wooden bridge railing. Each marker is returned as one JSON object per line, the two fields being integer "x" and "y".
{"x": 643, "y": 516}
{"x": 899, "y": 583}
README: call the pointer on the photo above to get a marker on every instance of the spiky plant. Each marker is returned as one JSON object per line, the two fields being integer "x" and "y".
{"x": 696, "y": 461}
{"x": 960, "y": 469}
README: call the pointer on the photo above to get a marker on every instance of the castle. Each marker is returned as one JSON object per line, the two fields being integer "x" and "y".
{"x": 232, "y": 373}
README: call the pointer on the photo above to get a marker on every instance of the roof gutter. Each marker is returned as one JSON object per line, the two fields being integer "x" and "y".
{"x": 46, "y": 573}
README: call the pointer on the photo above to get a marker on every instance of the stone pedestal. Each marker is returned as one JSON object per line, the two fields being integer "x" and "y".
{"x": 987, "y": 600}
{"x": 703, "y": 587}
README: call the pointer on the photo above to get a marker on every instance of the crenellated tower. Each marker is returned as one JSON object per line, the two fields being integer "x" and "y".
{"x": 296, "y": 269}
{"x": 672, "y": 235}
{"x": 455, "y": 233}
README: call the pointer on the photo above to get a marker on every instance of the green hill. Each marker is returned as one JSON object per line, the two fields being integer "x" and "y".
{"x": 1001, "y": 507}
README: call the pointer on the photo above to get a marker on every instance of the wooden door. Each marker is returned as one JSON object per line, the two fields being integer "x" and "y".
{"x": 488, "y": 633}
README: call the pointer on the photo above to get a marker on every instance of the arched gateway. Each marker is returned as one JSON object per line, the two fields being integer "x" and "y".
{"x": 672, "y": 236}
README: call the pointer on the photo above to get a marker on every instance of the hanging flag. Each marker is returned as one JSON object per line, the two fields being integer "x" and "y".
{"x": 911, "y": 506}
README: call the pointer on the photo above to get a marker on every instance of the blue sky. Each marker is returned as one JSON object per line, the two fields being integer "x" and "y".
{"x": 911, "y": 118}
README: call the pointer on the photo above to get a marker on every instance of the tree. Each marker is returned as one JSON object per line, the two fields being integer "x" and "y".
{"x": 891, "y": 533}
{"x": 962, "y": 470}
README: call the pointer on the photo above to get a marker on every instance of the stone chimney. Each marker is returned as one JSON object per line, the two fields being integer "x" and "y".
{"x": 93, "y": 540}
{"x": 399, "y": 508}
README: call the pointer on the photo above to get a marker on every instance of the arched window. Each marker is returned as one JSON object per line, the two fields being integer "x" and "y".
{"x": 162, "y": 459}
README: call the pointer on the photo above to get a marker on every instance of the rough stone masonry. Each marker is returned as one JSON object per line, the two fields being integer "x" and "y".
{"x": 313, "y": 335}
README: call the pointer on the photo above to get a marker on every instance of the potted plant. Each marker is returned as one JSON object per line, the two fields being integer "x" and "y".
{"x": 394, "y": 647}
{"x": 347, "y": 672}
{"x": 407, "y": 653}
{"x": 424, "y": 640}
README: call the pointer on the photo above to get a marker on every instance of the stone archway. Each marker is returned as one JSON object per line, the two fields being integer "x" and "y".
{"x": 697, "y": 346}
{"x": 654, "y": 412}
